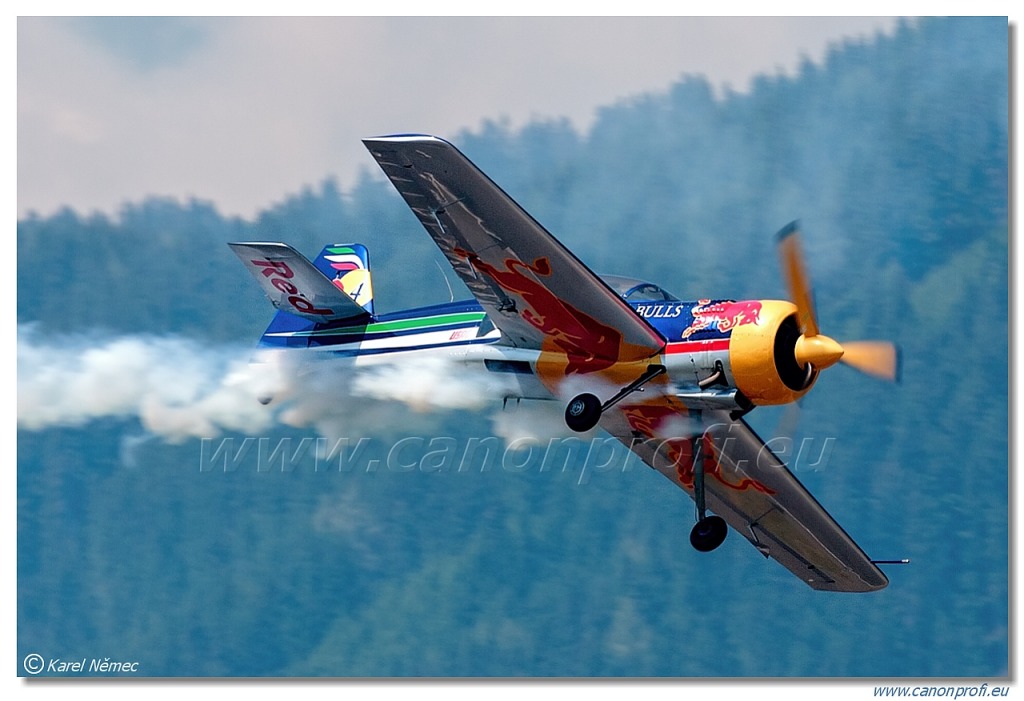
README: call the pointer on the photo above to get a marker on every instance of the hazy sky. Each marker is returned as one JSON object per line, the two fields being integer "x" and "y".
{"x": 243, "y": 111}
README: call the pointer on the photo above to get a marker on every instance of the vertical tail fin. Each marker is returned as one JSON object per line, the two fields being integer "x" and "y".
{"x": 347, "y": 266}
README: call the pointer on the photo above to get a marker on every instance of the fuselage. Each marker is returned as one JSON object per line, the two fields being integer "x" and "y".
{"x": 698, "y": 355}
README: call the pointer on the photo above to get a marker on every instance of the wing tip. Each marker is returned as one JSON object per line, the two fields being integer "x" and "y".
{"x": 787, "y": 231}
{"x": 861, "y": 586}
{"x": 279, "y": 244}
{"x": 404, "y": 138}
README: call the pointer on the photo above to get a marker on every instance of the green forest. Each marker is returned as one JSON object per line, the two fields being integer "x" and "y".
{"x": 893, "y": 154}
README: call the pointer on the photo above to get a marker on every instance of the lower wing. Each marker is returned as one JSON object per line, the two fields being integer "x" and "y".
{"x": 747, "y": 485}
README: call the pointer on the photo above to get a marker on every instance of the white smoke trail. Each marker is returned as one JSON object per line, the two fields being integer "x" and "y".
{"x": 339, "y": 397}
{"x": 428, "y": 382}
{"x": 533, "y": 422}
{"x": 176, "y": 387}
{"x": 179, "y": 388}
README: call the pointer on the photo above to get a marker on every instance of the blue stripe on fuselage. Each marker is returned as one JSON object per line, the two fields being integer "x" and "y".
{"x": 290, "y": 331}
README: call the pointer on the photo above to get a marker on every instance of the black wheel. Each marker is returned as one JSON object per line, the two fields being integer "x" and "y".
{"x": 583, "y": 413}
{"x": 708, "y": 533}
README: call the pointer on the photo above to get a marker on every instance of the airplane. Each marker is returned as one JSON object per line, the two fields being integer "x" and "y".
{"x": 671, "y": 379}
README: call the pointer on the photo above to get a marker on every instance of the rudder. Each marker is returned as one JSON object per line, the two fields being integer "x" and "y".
{"x": 347, "y": 266}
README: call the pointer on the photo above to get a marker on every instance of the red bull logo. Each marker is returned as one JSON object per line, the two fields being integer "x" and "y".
{"x": 723, "y": 316}
{"x": 647, "y": 419}
{"x": 589, "y": 345}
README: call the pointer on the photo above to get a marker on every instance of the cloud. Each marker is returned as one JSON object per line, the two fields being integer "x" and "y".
{"x": 144, "y": 43}
{"x": 242, "y": 111}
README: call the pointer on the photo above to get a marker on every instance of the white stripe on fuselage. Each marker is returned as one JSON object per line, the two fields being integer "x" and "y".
{"x": 462, "y": 346}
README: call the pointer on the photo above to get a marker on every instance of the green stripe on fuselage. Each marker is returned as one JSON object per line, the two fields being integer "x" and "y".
{"x": 423, "y": 323}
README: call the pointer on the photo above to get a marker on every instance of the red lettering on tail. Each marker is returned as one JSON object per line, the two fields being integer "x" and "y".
{"x": 274, "y": 267}
{"x": 270, "y": 268}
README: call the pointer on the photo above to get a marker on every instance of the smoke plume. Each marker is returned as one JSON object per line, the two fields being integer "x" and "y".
{"x": 180, "y": 388}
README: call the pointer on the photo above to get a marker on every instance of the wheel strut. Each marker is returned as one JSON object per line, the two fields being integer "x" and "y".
{"x": 709, "y": 532}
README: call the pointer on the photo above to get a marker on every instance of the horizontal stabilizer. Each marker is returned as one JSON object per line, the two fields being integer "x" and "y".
{"x": 294, "y": 285}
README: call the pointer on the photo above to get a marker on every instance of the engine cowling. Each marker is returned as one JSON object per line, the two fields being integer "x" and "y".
{"x": 762, "y": 356}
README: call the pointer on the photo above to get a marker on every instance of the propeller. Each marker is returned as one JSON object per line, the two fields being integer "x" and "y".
{"x": 814, "y": 349}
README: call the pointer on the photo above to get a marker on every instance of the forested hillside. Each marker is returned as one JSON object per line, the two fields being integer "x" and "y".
{"x": 893, "y": 153}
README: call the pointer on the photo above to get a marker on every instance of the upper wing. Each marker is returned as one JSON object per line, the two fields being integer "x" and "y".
{"x": 537, "y": 292}
{"x": 748, "y": 486}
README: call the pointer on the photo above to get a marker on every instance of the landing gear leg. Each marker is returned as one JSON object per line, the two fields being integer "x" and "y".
{"x": 584, "y": 411}
{"x": 709, "y": 531}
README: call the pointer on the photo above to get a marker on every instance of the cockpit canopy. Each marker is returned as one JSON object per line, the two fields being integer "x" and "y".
{"x": 633, "y": 290}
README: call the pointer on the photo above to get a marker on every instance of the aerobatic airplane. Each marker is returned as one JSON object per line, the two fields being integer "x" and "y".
{"x": 671, "y": 379}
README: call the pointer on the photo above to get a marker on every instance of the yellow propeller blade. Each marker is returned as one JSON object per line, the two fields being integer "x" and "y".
{"x": 876, "y": 358}
{"x": 797, "y": 280}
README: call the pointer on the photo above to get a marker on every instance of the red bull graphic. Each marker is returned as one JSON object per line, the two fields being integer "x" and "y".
{"x": 342, "y": 258}
{"x": 588, "y": 344}
{"x": 722, "y": 316}
{"x": 347, "y": 266}
{"x": 647, "y": 419}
